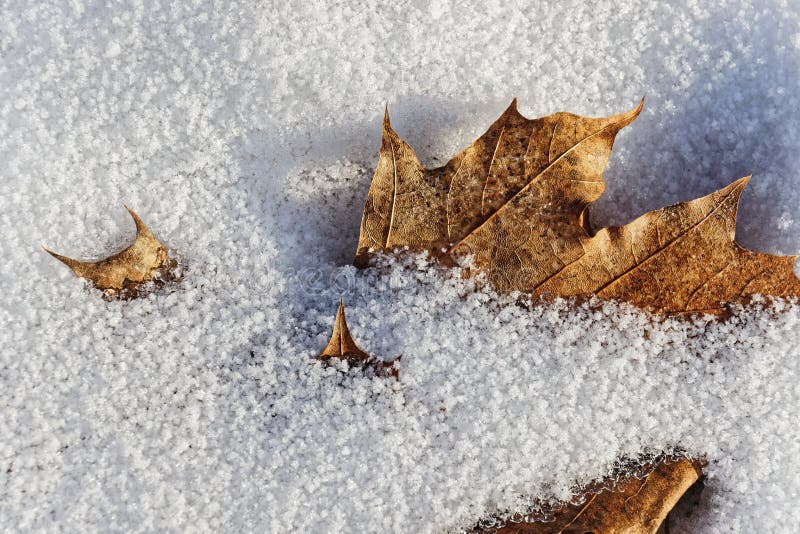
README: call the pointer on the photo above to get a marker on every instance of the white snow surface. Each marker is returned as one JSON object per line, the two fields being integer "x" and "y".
{"x": 245, "y": 135}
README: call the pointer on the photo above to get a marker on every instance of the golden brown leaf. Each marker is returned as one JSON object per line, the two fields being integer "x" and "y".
{"x": 545, "y": 171}
{"x": 343, "y": 346}
{"x": 122, "y": 274}
{"x": 631, "y": 506}
{"x": 516, "y": 201}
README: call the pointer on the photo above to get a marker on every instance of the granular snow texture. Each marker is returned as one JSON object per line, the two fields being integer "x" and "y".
{"x": 245, "y": 136}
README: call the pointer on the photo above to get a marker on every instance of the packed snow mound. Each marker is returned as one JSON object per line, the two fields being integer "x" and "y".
{"x": 245, "y": 137}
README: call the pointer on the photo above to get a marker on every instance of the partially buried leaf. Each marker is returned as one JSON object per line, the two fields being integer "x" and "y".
{"x": 122, "y": 274}
{"x": 542, "y": 173}
{"x": 678, "y": 259}
{"x": 343, "y": 346}
{"x": 516, "y": 202}
{"x": 630, "y": 506}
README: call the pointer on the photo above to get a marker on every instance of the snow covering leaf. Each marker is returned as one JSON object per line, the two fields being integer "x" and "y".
{"x": 633, "y": 505}
{"x": 121, "y": 275}
{"x": 516, "y": 201}
{"x": 343, "y": 346}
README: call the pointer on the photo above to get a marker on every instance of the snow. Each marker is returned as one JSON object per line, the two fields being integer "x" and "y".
{"x": 245, "y": 136}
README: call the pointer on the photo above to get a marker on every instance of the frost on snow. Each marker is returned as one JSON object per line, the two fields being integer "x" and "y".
{"x": 246, "y": 136}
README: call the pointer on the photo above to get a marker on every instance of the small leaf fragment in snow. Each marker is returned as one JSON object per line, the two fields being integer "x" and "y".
{"x": 121, "y": 275}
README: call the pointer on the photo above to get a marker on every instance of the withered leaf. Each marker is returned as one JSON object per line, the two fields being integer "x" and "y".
{"x": 516, "y": 201}
{"x": 544, "y": 170}
{"x": 631, "y": 506}
{"x": 121, "y": 275}
{"x": 343, "y": 346}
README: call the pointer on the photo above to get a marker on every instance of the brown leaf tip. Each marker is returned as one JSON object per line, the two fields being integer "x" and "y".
{"x": 640, "y": 106}
{"x": 512, "y": 107}
{"x": 75, "y": 265}
{"x": 140, "y": 226}
{"x": 343, "y": 346}
{"x": 121, "y": 274}
{"x": 628, "y": 117}
{"x": 386, "y": 125}
{"x": 742, "y": 182}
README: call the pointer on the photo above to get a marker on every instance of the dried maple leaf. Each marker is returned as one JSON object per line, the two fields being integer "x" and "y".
{"x": 122, "y": 274}
{"x": 631, "y": 506}
{"x": 516, "y": 201}
{"x": 343, "y": 346}
{"x": 551, "y": 165}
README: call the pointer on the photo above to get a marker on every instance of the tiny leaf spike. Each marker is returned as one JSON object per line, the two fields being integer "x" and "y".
{"x": 343, "y": 346}
{"x": 629, "y": 506}
{"x": 516, "y": 202}
{"x": 121, "y": 275}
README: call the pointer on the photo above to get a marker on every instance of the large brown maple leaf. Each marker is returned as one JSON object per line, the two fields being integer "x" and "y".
{"x": 516, "y": 202}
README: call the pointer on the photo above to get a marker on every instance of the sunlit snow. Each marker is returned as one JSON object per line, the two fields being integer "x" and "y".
{"x": 245, "y": 135}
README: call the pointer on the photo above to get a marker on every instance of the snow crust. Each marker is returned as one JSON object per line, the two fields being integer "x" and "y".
{"x": 245, "y": 136}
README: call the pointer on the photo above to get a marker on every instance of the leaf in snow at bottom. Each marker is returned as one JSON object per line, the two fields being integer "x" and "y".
{"x": 630, "y": 506}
